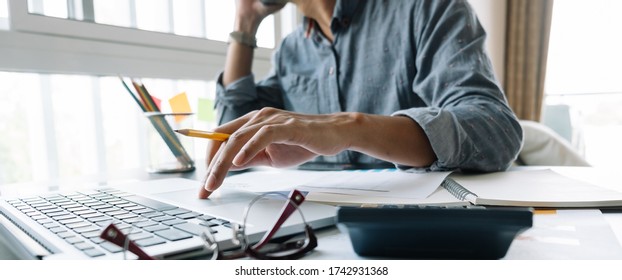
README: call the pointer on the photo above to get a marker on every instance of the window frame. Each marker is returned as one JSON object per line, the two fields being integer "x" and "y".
{"x": 39, "y": 43}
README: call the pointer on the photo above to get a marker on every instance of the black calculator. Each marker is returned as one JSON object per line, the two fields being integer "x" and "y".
{"x": 433, "y": 232}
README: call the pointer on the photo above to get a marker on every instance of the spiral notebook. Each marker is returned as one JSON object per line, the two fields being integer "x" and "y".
{"x": 533, "y": 188}
{"x": 527, "y": 188}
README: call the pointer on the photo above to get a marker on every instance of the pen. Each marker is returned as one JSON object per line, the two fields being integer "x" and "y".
{"x": 204, "y": 134}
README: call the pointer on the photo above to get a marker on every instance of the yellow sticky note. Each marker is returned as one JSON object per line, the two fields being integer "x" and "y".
{"x": 545, "y": 211}
{"x": 179, "y": 104}
{"x": 205, "y": 110}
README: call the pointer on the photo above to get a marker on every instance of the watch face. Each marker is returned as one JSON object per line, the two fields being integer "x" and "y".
{"x": 274, "y": 2}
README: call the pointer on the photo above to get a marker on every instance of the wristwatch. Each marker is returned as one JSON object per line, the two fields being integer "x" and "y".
{"x": 243, "y": 38}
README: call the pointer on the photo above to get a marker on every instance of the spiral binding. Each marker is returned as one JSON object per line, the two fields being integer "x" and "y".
{"x": 456, "y": 189}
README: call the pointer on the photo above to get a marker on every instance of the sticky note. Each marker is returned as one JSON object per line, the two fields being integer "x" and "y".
{"x": 545, "y": 211}
{"x": 179, "y": 104}
{"x": 205, "y": 110}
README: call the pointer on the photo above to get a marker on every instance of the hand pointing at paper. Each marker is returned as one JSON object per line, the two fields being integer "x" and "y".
{"x": 277, "y": 138}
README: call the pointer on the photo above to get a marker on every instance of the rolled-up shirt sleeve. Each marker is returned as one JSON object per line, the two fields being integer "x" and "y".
{"x": 467, "y": 120}
{"x": 244, "y": 95}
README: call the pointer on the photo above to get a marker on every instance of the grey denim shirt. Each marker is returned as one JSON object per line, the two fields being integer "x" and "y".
{"x": 423, "y": 59}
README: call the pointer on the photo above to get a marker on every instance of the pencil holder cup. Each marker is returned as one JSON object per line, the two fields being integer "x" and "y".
{"x": 166, "y": 152}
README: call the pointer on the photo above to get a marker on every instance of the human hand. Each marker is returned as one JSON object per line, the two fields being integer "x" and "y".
{"x": 275, "y": 138}
{"x": 250, "y": 13}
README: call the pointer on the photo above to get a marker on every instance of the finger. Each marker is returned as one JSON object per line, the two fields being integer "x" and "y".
{"x": 212, "y": 149}
{"x": 204, "y": 192}
{"x": 215, "y": 148}
{"x": 241, "y": 130}
{"x": 233, "y": 125}
{"x": 222, "y": 163}
{"x": 266, "y": 135}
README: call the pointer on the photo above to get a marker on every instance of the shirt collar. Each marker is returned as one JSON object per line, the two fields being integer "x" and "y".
{"x": 342, "y": 15}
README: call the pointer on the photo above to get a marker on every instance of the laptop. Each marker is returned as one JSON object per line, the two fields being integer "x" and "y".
{"x": 164, "y": 217}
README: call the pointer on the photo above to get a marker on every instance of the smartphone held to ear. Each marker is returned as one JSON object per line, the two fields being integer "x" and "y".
{"x": 274, "y": 2}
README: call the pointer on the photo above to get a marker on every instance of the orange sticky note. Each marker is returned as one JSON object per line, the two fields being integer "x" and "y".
{"x": 179, "y": 104}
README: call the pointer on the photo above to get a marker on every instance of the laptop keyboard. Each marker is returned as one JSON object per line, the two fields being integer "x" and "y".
{"x": 80, "y": 217}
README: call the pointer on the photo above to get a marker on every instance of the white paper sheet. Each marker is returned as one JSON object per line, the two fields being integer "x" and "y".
{"x": 379, "y": 183}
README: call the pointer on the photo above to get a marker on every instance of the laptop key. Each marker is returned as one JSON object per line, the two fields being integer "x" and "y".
{"x": 126, "y": 216}
{"x": 45, "y": 221}
{"x": 141, "y": 210}
{"x": 147, "y": 223}
{"x": 110, "y": 247}
{"x": 163, "y": 218}
{"x": 97, "y": 239}
{"x": 52, "y": 210}
{"x": 177, "y": 211}
{"x": 174, "y": 222}
{"x": 193, "y": 228}
{"x": 188, "y": 215}
{"x": 135, "y": 220}
{"x": 84, "y": 212}
{"x": 130, "y": 230}
{"x": 65, "y": 234}
{"x": 152, "y": 214}
{"x": 71, "y": 221}
{"x": 154, "y": 204}
{"x": 150, "y": 241}
{"x": 93, "y": 252}
{"x": 140, "y": 235}
{"x": 117, "y": 212}
{"x": 209, "y": 224}
{"x": 133, "y": 208}
{"x": 78, "y": 225}
{"x": 100, "y": 219}
{"x": 91, "y": 234}
{"x": 51, "y": 225}
{"x": 74, "y": 240}
{"x": 155, "y": 228}
{"x": 93, "y": 215}
{"x": 87, "y": 229}
{"x": 57, "y": 229}
{"x": 173, "y": 234}
{"x": 205, "y": 218}
{"x": 64, "y": 217}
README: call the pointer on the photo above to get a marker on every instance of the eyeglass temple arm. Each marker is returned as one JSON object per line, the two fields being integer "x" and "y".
{"x": 295, "y": 199}
{"x": 115, "y": 236}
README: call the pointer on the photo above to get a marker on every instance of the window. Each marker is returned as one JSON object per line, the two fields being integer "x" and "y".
{"x": 584, "y": 80}
{"x": 92, "y": 126}
{"x": 211, "y": 19}
{"x": 102, "y": 35}
{"x": 4, "y": 15}
{"x": 64, "y": 115}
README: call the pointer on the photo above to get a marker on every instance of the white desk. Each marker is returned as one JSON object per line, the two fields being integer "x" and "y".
{"x": 579, "y": 235}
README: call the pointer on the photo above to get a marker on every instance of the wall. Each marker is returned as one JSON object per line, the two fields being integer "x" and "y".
{"x": 492, "y": 15}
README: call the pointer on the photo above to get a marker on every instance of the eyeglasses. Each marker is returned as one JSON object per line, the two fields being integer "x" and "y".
{"x": 267, "y": 248}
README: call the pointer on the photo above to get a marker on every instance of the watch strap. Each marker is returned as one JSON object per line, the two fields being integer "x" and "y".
{"x": 243, "y": 38}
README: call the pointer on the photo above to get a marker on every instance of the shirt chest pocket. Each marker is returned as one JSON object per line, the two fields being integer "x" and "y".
{"x": 300, "y": 94}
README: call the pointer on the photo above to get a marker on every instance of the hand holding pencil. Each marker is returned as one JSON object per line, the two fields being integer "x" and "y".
{"x": 217, "y": 136}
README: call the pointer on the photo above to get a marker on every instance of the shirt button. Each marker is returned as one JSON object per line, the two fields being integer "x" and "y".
{"x": 345, "y": 22}
{"x": 331, "y": 71}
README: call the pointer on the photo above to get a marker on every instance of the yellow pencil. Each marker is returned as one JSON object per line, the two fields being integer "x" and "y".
{"x": 203, "y": 134}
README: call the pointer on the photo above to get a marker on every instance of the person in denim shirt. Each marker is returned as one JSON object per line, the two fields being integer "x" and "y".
{"x": 405, "y": 82}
